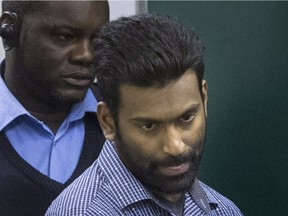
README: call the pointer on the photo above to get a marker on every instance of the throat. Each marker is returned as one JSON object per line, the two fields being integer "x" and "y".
{"x": 52, "y": 120}
{"x": 169, "y": 197}
{"x": 174, "y": 203}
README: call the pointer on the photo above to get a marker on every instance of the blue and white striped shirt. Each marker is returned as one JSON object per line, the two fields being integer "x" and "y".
{"x": 107, "y": 188}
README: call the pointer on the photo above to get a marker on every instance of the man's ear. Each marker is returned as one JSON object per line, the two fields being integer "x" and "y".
{"x": 106, "y": 121}
{"x": 8, "y": 29}
{"x": 205, "y": 95}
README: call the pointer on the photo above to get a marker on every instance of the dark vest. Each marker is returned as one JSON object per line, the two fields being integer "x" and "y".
{"x": 24, "y": 191}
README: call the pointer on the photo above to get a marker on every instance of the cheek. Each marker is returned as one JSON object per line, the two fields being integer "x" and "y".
{"x": 136, "y": 147}
{"x": 133, "y": 154}
{"x": 137, "y": 143}
{"x": 42, "y": 55}
{"x": 195, "y": 137}
{"x": 143, "y": 144}
{"x": 36, "y": 61}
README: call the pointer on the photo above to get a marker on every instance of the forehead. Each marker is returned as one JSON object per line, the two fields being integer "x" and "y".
{"x": 160, "y": 103}
{"x": 70, "y": 11}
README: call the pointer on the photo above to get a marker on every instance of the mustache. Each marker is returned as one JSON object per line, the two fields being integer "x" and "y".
{"x": 178, "y": 160}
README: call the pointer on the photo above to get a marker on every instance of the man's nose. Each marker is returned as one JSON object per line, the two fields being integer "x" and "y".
{"x": 173, "y": 142}
{"x": 83, "y": 53}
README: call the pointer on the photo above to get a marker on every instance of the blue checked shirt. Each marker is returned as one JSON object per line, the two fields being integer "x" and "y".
{"x": 107, "y": 188}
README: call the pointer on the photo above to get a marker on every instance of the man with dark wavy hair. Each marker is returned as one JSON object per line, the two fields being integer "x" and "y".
{"x": 49, "y": 133}
{"x": 153, "y": 114}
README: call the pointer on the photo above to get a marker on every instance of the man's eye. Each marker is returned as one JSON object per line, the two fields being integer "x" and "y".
{"x": 149, "y": 126}
{"x": 94, "y": 37}
{"x": 187, "y": 118}
{"x": 65, "y": 37}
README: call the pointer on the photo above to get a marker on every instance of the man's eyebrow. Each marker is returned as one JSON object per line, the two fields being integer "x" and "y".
{"x": 144, "y": 119}
{"x": 71, "y": 28}
{"x": 63, "y": 26}
{"x": 191, "y": 109}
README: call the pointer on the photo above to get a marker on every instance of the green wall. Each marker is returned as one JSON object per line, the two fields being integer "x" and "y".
{"x": 246, "y": 153}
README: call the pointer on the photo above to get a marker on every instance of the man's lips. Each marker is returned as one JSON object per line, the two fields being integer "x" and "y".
{"x": 174, "y": 170}
{"x": 78, "y": 79}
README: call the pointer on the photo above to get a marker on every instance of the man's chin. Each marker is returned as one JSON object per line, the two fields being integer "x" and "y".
{"x": 172, "y": 184}
{"x": 70, "y": 97}
{"x": 65, "y": 101}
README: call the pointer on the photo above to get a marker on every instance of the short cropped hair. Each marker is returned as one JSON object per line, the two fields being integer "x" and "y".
{"x": 21, "y": 8}
{"x": 144, "y": 50}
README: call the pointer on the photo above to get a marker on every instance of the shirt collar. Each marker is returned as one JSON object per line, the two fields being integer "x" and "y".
{"x": 203, "y": 198}
{"x": 123, "y": 182}
{"x": 88, "y": 104}
{"x": 10, "y": 108}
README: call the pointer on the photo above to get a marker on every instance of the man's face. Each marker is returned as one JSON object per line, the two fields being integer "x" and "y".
{"x": 161, "y": 132}
{"x": 55, "y": 49}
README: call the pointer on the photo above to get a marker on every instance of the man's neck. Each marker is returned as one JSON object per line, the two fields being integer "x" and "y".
{"x": 175, "y": 203}
{"x": 170, "y": 197}
{"x": 52, "y": 120}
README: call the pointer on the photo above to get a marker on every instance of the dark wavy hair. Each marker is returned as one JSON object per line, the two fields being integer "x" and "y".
{"x": 144, "y": 50}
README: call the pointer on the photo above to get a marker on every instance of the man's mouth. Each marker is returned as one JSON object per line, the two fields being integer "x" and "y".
{"x": 174, "y": 170}
{"x": 78, "y": 79}
{"x": 80, "y": 82}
